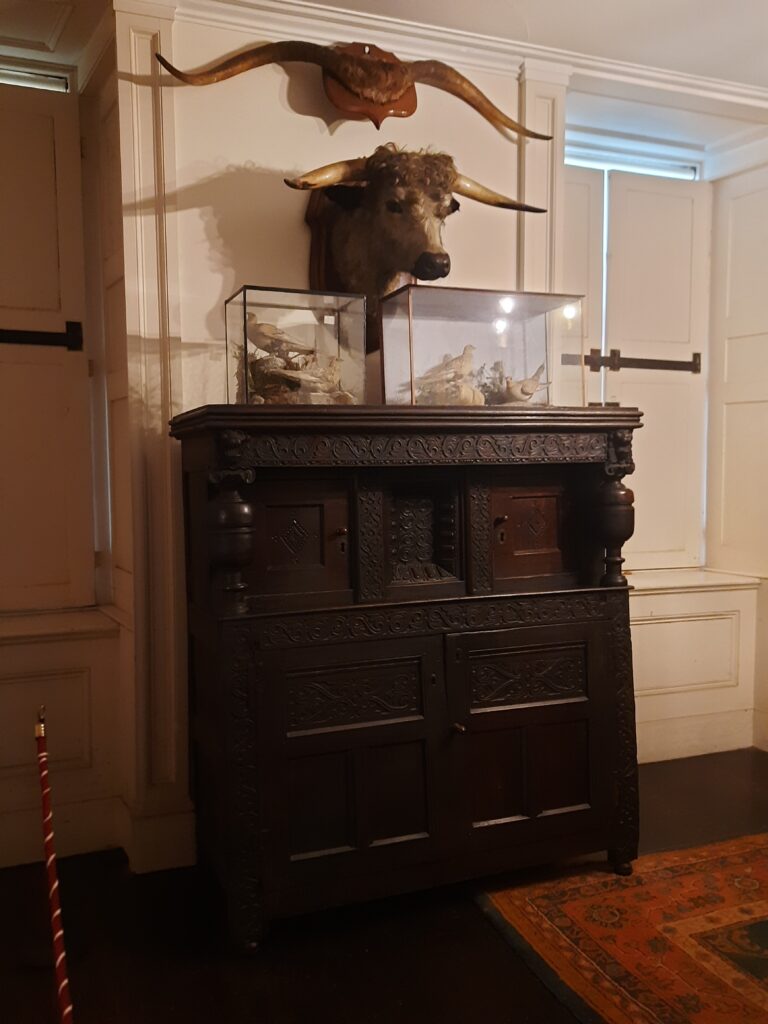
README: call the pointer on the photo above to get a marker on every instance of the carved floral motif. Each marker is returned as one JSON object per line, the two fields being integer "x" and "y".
{"x": 244, "y": 453}
{"x": 353, "y": 693}
{"x": 358, "y": 623}
{"x": 480, "y": 531}
{"x": 370, "y": 543}
{"x": 521, "y": 677}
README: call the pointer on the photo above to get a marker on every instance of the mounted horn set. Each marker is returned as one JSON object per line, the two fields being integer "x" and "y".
{"x": 360, "y": 80}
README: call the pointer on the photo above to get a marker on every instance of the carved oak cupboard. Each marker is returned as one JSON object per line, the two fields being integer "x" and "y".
{"x": 410, "y": 651}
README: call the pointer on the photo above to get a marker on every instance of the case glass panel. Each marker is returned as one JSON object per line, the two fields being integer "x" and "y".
{"x": 457, "y": 346}
{"x": 295, "y": 347}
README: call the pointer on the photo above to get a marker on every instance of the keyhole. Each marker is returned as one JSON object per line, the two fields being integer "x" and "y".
{"x": 502, "y": 533}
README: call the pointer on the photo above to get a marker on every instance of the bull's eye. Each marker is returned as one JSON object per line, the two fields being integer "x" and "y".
{"x": 393, "y": 206}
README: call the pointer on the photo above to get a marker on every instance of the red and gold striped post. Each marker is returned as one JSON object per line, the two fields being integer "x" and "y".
{"x": 59, "y": 954}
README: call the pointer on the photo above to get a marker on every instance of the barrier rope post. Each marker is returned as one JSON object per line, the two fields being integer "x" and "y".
{"x": 59, "y": 954}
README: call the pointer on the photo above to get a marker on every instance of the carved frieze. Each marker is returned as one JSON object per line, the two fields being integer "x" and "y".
{"x": 352, "y": 694}
{"x": 356, "y": 623}
{"x": 243, "y": 452}
{"x": 522, "y": 677}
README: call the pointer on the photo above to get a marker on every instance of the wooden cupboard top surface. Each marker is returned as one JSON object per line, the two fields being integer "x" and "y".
{"x": 402, "y": 419}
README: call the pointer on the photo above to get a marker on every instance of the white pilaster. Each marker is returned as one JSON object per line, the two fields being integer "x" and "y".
{"x": 155, "y": 750}
{"x": 543, "y": 87}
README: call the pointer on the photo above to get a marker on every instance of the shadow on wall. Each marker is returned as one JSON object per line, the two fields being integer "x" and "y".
{"x": 251, "y": 228}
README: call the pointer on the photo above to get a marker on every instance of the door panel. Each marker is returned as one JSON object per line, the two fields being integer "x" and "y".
{"x": 530, "y": 710}
{"x": 353, "y": 772}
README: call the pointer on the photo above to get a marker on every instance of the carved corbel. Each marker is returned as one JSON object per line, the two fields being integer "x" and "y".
{"x": 616, "y": 513}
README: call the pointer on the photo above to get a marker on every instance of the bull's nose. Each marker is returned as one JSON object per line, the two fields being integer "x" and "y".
{"x": 431, "y": 265}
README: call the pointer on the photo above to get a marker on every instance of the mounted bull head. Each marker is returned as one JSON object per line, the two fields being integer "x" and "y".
{"x": 389, "y": 210}
{"x": 377, "y": 80}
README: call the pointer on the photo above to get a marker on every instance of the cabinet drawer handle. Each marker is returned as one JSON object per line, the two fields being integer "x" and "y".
{"x": 458, "y": 727}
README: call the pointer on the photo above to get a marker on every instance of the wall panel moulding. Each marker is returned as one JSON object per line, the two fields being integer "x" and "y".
{"x": 274, "y": 19}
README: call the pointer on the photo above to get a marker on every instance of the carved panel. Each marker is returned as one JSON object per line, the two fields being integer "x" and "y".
{"x": 503, "y": 678}
{"x": 294, "y": 535}
{"x": 433, "y": 617}
{"x": 241, "y": 452}
{"x": 242, "y": 845}
{"x": 422, "y": 539}
{"x": 480, "y": 538}
{"x": 339, "y": 696}
{"x": 370, "y": 546}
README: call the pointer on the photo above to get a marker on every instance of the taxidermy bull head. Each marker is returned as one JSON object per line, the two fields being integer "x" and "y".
{"x": 360, "y": 79}
{"x": 388, "y": 214}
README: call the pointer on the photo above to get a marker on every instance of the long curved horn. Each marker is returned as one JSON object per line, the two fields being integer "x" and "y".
{"x": 342, "y": 172}
{"x": 442, "y": 76}
{"x": 258, "y": 56}
{"x": 474, "y": 190}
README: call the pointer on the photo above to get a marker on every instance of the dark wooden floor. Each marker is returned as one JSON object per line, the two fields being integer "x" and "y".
{"x": 140, "y": 953}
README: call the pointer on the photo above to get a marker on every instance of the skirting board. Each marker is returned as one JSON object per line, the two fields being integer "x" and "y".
{"x": 156, "y": 842}
{"x": 670, "y": 738}
{"x": 151, "y": 843}
{"x": 78, "y": 828}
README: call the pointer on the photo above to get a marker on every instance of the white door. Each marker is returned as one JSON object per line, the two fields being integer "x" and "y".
{"x": 46, "y": 494}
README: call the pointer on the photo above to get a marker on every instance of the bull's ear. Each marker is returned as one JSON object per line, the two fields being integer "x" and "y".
{"x": 348, "y": 197}
{"x": 455, "y": 205}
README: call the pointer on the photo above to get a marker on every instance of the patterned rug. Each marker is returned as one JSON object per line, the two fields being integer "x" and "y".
{"x": 684, "y": 940}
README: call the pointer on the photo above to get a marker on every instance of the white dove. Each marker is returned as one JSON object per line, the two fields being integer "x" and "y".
{"x": 524, "y": 390}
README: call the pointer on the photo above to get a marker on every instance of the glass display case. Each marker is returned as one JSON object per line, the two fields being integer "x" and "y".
{"x": 289, "y": 347}
{"x": 461, "y": 346}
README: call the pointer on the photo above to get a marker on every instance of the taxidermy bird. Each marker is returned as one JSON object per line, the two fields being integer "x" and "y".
{"x": 456, "y": 368}
{"x": 524, "y": 390}
{"x": 277, "y": 342}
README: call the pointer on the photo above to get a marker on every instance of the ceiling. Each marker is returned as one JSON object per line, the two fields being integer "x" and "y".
{"x": 53, "y": 31}
{"x": 708, "y": 38}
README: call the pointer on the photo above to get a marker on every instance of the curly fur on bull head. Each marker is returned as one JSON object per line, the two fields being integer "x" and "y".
{"x": 389, "y": 215}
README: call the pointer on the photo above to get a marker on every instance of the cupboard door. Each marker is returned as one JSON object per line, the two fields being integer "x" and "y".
{"x": 531, "y": 738}
{"x": 352, "y": 784}
{"x": 301, "y": 540}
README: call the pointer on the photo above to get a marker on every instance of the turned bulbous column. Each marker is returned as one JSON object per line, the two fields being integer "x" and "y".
{"x": 230, "y": 527}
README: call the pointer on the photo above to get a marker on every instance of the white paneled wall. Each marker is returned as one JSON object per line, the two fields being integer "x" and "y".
{"x": 583, "y": 275}
{"x": 693, "y": 644}
{"x": 737, "y": 534}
